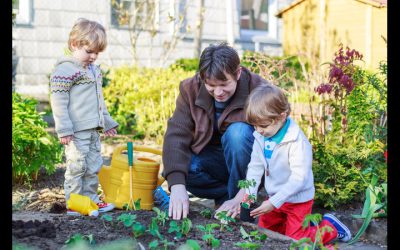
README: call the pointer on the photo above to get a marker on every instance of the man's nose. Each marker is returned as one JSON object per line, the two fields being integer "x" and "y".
{"x": 218, "y": 91}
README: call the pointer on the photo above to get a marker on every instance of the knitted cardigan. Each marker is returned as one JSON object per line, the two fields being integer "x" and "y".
{"x": 76, "y": 98}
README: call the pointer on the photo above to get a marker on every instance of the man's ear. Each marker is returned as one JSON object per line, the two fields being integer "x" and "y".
{"x": 239, "y": 72}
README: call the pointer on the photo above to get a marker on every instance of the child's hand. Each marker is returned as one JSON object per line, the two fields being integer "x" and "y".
{"x": 264, "y": 208}
{"x": 66, "y": 139}
{"x": 110, "y": 132}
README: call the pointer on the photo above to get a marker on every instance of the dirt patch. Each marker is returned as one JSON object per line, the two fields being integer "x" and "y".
{"x": 40, "y": 222}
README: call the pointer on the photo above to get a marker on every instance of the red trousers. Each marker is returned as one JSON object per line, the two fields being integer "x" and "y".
{"x": 288, "y": 220}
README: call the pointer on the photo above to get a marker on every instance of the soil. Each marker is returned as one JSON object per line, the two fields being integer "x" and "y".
{"x": 40, "y": 221}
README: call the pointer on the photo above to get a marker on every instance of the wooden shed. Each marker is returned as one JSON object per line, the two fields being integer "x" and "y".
{"x": 315, "y": 28}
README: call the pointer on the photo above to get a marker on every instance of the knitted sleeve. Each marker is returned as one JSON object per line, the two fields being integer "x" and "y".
{"x": 61, "y": 81}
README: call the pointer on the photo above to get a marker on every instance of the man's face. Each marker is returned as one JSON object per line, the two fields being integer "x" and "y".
{"x": 222, "y": 90}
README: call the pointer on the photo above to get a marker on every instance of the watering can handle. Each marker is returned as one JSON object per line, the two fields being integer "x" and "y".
{"x": 130, "y": 153}
{"x": 119, "y": 150}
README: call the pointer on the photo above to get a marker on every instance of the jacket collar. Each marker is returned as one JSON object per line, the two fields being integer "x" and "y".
{"x": 206, "y": 101}
{"x": 291, "y": 134}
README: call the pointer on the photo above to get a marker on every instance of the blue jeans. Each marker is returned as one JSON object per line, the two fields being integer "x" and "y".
{"x": 214, "y": 172}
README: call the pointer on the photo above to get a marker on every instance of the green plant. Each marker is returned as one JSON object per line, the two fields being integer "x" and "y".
{"x": 32, "y": 146}
{"x": 224, "y": 220}
{"x": 208, "y": 236}
{"x": 142, "y": 100}
{"x": 165, "y": 244}
{"x": 187, "y": 64}
{"x": 138, "y": 229}
{"x": 206, "y": 213}
{"x": 190, "y": 245}
{"x": 254, "y": 235}
{"x": 249, "y": 198}
{"x": 153, "y": 229}
{"x": 182, "y": 229}
{"x": 307, "y": 243}
{"x": 106, "y": 217}
{"x": 162, "y": 216}
{"x": 348, "y": 133}
{"x": 76, "y": 238}
{"x": 127, "y": 219}
{"x": 375, "y": 205}
{"x": 135, "y": 205}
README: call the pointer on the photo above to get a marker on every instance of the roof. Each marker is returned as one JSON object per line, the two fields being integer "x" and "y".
{"x": 375, "y": 3}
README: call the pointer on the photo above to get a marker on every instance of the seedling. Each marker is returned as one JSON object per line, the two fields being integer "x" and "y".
{"x": 253, "y": 235}
{"x": 106, "y": 217}
{"x": 153, "y": 229}
{"x": 162, "y": 216}
{"x": 138, "y": 229}
{"x": 224, "y": 220}
{"x": 192, "y": 244}
{"x": 307, "y": 243}
{"x": 135, "y": 205}
{"x": 127, "y": 219}
{"x": 180, "y": 230}
{"x": 208, "y": 237}
{"x": 206, "y": 213}
{"x": 76, "y": 238}
{"x": 165, "y": 244}
{"x": 248, "y": 199}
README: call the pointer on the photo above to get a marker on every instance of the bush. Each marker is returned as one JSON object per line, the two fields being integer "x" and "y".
{"x": 349, "y": 135}
{"x": 32, "y": 146}
{"x": 142, "y": 99}
{"x": 187, "y": 64}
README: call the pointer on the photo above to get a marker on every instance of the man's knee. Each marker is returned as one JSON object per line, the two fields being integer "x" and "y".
{"x": 238, "y": 134}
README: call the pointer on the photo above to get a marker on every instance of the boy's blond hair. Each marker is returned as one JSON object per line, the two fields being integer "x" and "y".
{"x": 266, "y": 102}
{"x": 88, "y": 33}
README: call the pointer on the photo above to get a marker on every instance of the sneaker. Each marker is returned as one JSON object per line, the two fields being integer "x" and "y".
{"x": 344, "y": 233}
{"x": 105, "y": 207}
{"x": 73, "y": 212}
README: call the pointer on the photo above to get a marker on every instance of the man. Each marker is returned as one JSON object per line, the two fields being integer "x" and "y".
{"x": 207, "y": 145}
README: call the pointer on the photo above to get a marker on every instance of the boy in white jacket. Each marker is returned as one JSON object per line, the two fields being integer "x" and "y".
{"x": 283, "y": 154}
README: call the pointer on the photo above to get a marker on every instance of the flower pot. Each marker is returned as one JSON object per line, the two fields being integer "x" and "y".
{"x": 245, "y": 214}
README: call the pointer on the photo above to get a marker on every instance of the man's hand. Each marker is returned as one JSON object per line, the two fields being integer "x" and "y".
{"x": 178, "y": 202}
{"x": 110, "y": 132}
{"x": 66, "y": 139}
{"x": 232, "y": 206}
{"x": 264, "y": 208}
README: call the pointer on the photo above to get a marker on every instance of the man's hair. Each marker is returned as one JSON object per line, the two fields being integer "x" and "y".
{"x": 266, "y": 102}
{"x": 215, "y": 60}
{"x": 88, "y": 33}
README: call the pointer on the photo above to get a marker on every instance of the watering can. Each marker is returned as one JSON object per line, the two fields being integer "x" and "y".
{"x": 115, "y": 179}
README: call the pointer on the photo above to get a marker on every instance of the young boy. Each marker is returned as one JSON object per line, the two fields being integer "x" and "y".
{"x": 283, "y": 154}
{"x": 80, "y": 112}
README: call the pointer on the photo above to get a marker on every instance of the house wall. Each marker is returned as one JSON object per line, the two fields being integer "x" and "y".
{"x": 312, "y": 30}
{"x": 39, "y": 44}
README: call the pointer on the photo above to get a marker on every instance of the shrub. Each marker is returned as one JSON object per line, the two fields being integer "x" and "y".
{"x": 32, "y": 146}
{"x": 187, "y": 64}
{"x": 142, "y": 99}
{"x": 349, "y": 135}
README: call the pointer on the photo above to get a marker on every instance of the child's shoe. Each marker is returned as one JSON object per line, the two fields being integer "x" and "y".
{"x": 105, "y": 207}
{"x": 344, "y": 233}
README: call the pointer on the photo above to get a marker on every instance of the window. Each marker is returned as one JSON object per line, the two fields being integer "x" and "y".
{"x": 254, "y": 15}
{"x": 23, "y": 10}
{"x": 137, "y": 14}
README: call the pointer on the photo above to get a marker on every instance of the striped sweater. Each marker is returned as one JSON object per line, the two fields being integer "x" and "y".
{"x": 76, "y": 98}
